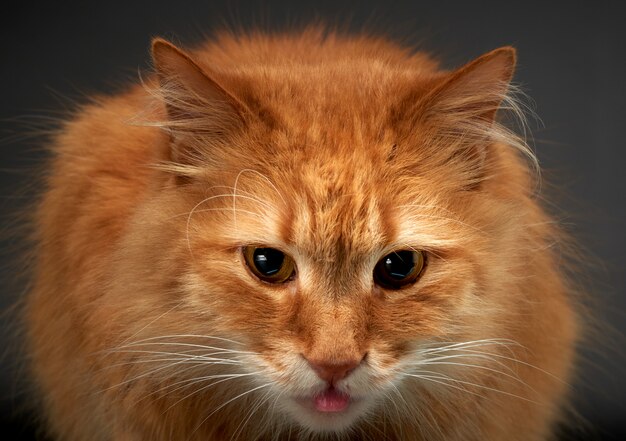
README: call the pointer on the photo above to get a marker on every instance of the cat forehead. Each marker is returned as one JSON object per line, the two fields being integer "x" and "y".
{"x": 333, "y": 196}
{"x": 341, "y": 206}
{"x": 338, "y": 214}
{"x": 318, "y": 207}
{"x": 330, "y": 102}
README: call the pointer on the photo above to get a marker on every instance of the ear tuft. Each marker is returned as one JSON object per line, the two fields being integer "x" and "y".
{"x": 195, "y": 101}
{"x": 476, "y": 89}
{"x": 456, "y": 115}
{"x": 201, "y": 114}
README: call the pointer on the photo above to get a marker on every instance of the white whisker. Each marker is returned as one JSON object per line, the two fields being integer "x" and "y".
{"x": 228, "y": 402}
{"x": 187, "y": 383}
{"x": 437, "y": 375}
{"x": 211, "y": 337}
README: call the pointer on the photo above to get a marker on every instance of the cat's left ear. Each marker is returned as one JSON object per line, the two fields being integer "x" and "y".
{"x": 195, "y": 101}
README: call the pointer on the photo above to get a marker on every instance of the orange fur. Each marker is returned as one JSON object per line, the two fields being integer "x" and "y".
{"x": 336, "y": 150}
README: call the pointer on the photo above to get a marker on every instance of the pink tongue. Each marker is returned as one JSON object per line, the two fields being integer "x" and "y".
{"x": 331, "y": 401}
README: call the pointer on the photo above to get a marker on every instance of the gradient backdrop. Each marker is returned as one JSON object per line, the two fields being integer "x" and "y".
{"x": 572, "y": 62}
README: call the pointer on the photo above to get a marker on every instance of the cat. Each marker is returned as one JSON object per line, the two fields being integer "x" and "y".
{"x": 306, "y": 235}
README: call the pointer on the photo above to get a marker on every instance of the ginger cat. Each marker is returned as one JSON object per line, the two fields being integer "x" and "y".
{"x": 299, "y": 236}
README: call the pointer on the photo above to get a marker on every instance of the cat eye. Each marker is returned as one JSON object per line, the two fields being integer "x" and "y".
{"x": 399, "y": 269}
{"x": 269, "y": 264}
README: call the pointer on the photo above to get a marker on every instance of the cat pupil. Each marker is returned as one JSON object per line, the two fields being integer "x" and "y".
{"x": 400, "y": 264}
{"x": 398, "y": 269}
{"x": 269, "y": 264}
{"x": 268, "y": 261}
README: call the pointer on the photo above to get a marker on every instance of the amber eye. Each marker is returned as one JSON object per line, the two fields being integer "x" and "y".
{"x": 399, "y": 269}
{"x": 269, "y": 264}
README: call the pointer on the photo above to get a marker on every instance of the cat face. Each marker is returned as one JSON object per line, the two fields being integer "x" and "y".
{"x": 332, "y": 253}
{"x": 330, "y": 340}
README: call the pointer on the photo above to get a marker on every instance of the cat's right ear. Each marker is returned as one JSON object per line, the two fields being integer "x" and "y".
{"x": 195, "y": 102}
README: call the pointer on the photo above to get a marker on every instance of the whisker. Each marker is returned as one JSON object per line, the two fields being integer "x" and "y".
{"x": 505, "y": 343}
{"x": 532, "y": 366}
{"x": 205, "y": 200}
{"x": 183, "y": 384}
{"x": 397, "y": 409}
{"x": 267, "y": 180}
{"x": 179, "y": 354}
{"x": 239, "y": 210}
{"x": 483, "y": 342}
{"x": 153, "y": 321}
{"x": 461, "y": 355}
{"x": 260, "y": 401}
{"x": 228, "y": 402}
{"x": 477, "y": 366}
{"x": 188, "y": 345}
{"x": 212, "y": 337}
{"x": 440, "y": 376}
{"x": 432, "y": 422}
{"x": 182, "y": 360}
{"x": 436, "y": 379}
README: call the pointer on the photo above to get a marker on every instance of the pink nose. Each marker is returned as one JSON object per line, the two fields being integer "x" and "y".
{"x": 332, "y": 372}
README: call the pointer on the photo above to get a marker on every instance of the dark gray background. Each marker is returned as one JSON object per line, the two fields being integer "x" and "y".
{"x": 572, "y": 62}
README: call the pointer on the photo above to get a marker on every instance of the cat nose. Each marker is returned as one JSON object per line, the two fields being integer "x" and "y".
{"x": 332, "y": 371}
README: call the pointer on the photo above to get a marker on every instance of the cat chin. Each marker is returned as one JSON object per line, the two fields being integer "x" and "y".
{"x": 304, "y": 413}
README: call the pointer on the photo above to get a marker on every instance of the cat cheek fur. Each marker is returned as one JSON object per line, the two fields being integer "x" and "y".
{"x": 145, "y": 324}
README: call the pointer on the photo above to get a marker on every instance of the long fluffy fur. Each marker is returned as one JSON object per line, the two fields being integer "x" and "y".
{"x": 144, "y": 323}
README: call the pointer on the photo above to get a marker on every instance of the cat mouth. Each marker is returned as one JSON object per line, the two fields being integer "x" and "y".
{"x": 331, "y": 401}
{"x": 330, "y": 410}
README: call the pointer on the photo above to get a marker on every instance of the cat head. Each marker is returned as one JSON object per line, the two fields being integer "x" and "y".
{"x": 329, "y": 221}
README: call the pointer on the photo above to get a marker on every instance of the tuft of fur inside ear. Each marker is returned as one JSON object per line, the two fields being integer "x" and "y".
{"x": 458, "y": 115}
{"x": 199, "y": 110}
{"x": 476, "y": 89}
